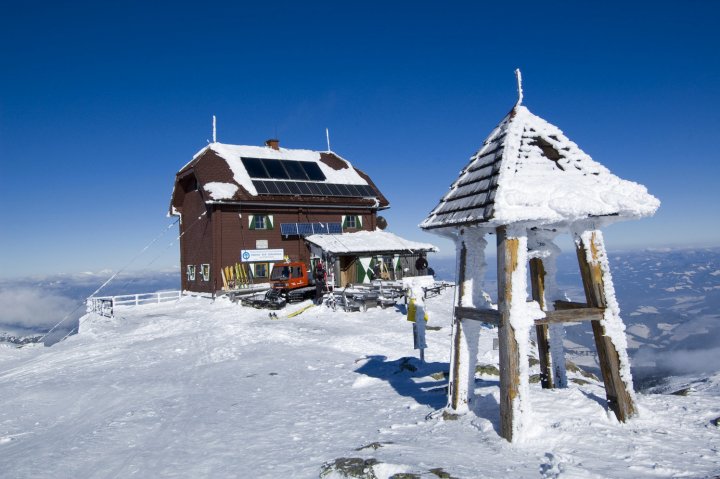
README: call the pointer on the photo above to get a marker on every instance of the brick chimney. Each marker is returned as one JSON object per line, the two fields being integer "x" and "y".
{"x": 274, "y": 144}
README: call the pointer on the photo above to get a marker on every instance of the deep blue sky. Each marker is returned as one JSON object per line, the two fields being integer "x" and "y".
{"x": 102, "y": 102}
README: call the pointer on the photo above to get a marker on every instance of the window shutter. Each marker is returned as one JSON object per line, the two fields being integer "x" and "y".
{"x": 269, "y": 222}
{"x": 251, "y": 222}
{"x": 343, "y": 220}
{"x": 359, "y": 221}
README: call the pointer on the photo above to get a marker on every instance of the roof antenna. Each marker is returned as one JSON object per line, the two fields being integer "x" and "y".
{"x": 327, "y": 135}
{"x": 214, "y": 130}
{"x": 518, "y": 75}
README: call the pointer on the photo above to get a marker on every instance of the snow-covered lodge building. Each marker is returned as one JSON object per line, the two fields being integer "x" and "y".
{"x": 254, "y": 205}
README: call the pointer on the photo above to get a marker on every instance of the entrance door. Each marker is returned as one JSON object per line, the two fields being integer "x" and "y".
{"x": 348, "y": 270}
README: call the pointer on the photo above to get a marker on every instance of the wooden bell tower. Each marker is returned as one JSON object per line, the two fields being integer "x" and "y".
{"x": 526, "y": 185}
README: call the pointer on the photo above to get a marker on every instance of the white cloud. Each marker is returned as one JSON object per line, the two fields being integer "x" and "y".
{"x": 681, "y": 361}
{"x": 690, "y": 361}
{"x": 36, "y": 309}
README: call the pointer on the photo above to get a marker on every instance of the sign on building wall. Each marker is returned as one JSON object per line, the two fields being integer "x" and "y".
{"x": 261, "y": 244}
{"x": 262, "y": 255}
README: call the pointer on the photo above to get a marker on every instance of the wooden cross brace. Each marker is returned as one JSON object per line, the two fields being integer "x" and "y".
{"x": 596, "y": 281}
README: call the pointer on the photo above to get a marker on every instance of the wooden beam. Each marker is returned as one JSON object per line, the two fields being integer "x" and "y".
{"x": 593, "y": 276}
{"x": 572, "y": 315}
{"x": 507, "y": 264}
{"x": 537, "y": 281}
{"x": 560, "y": 304}
{"x": 492, "y": 316}
{"x": 485, "y": 315}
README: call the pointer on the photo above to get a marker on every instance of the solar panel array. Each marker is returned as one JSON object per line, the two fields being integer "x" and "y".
{"x": 283, "y": 169}
{"x": 306, "y": 229}
{"x": 304, "y": 177}
{"x": 306, "y": 188}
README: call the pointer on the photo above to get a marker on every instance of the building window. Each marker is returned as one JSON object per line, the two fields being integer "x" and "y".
{"x": 261, "y": 270}
{"x": 205, "y": 272}
{"x": 191, "y": 272}
{"x": 352, "y": 222}
{"x": 260, "y": 222}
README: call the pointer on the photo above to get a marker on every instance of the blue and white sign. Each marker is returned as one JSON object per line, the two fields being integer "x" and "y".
{"x": 261, "y": 255}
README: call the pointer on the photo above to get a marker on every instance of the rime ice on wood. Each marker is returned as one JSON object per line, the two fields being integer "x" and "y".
{"x": 528, "y": 183}
{"x": 543, "y": 253}
{"x": 610, "y": 331}
{"x": 465, "y": 334}
{"x": 528, "y": 171}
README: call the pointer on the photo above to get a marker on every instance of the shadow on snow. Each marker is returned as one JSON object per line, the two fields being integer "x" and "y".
{"x": 410, "y": 378}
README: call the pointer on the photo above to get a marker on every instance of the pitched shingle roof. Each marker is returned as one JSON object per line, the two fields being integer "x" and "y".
{"x": 221, "y": 173}
{"x": 528, "y": 171}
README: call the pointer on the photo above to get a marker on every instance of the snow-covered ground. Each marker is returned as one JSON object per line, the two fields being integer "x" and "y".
{"x": 212, "y": 389}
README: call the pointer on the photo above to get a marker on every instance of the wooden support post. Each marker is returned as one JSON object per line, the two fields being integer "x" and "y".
{"x": 457, "y": 389}
{"x": 466, "y": 331}
{"x": 537, "y": 280}
{"x": 590, "y": 250}
{"x": 509, "y": 268}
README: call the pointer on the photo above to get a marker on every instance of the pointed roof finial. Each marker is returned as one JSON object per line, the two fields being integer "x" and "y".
{"x": 214, "y": 130}
{"x": 518, "y": 75}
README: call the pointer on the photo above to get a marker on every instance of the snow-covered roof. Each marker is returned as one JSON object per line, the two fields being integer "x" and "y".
{"x": 368, "y": 242}
{"x": 221, "y": 173}
{"x": 343, "y": 173}
{"x": 528, "y": 171}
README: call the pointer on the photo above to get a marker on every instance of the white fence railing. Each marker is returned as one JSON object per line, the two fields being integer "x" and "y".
{"x": 105, "y": 305}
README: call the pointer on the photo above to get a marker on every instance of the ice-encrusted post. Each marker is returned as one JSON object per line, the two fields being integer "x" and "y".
{"x": 537, "y": 282}
{"x": 513, "y": 331}
{"x": 543, "y": 276}
{"x": 465, "y": 333}
{"x": 609, "y": 332}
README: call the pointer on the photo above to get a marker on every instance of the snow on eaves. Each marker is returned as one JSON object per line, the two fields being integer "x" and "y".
{"x": 367, "y": 242}
{"x": 529, "y": 171}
